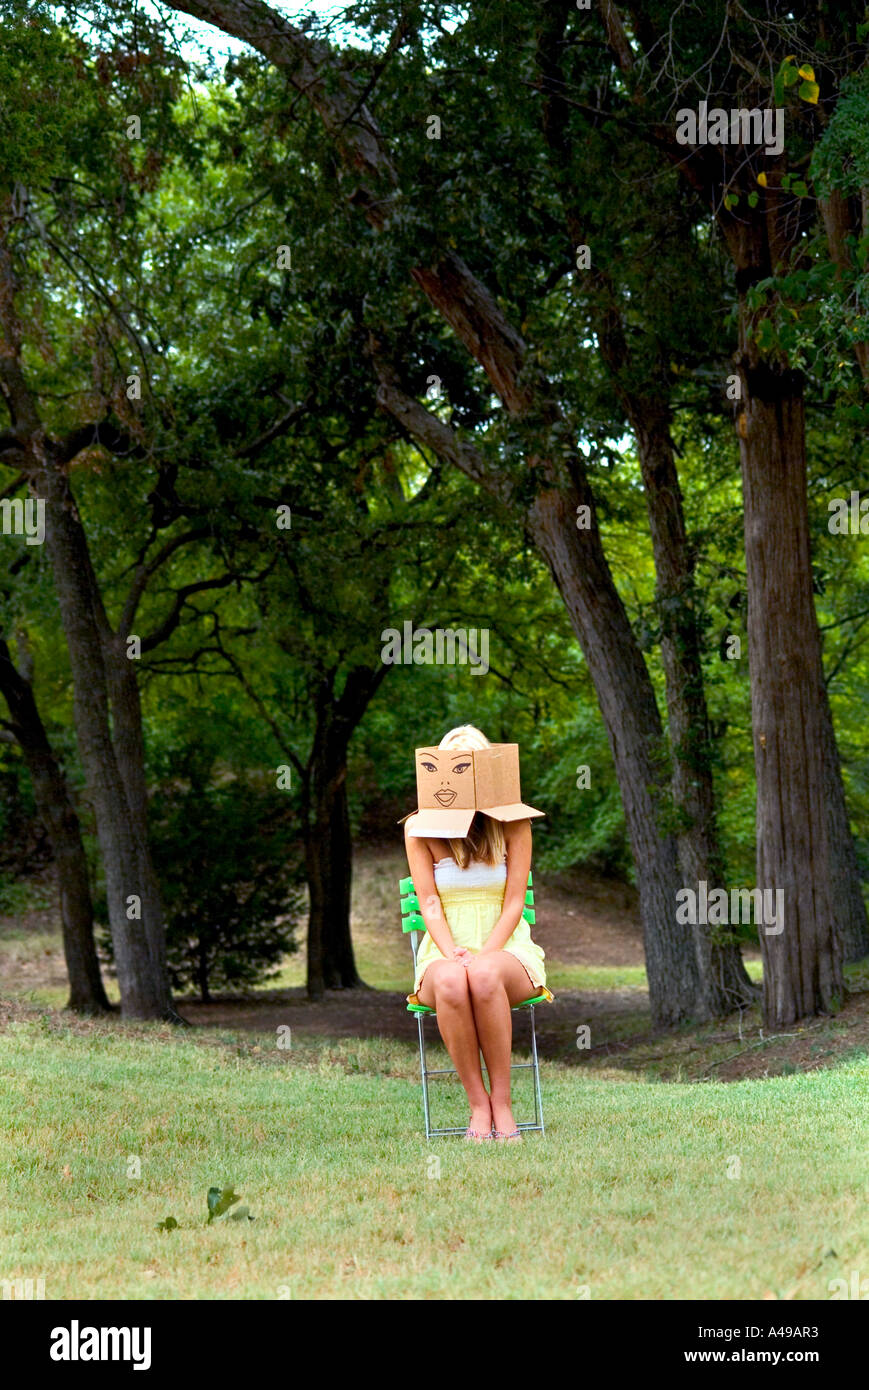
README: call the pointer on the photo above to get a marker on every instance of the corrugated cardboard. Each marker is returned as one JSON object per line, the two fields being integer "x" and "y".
{"x": 453, "y": 784}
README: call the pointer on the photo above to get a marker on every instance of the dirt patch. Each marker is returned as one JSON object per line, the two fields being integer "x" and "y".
{"x": 381, "y": 1013}
{"x": 32, "y": 955}
{"x": 619, "y": 1033}
{"x": 581, "y": 920}
{"x": 806, "y": 1046}
{"x": 621, "y": 1040}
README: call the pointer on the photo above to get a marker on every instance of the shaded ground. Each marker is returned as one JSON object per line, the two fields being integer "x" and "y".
{"x": 620, "y": 1035}
{"x": 381, "y": 1013}
{"x": 582, "y": 921}
{"x": 32, "y": 956}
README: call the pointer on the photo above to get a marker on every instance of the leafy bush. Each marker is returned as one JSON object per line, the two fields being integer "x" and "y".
{"x": 231, "y": 886}
{"x": 584, "y": 824}
{"x": 24, "y": 845}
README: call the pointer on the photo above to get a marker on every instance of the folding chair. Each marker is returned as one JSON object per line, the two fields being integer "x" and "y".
{"x": 412, "y": 922}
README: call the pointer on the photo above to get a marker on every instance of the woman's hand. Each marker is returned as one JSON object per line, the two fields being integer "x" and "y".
{"x": 462, "y": 956}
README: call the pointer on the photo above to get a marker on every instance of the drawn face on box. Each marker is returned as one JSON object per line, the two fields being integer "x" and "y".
{"x": 445, "y": 778}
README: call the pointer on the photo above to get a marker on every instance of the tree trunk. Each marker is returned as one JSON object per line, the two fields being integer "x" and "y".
{"x": 843, "y": 223}
{"x": 723, "y": 979}
{"x": 141, "y": 977}
{"x": 129, "y": 745}
{"x": 328, "y": 855}
{"x": 328, "y": 842}
{"x": 630, "y": 713}
{"x": 202, "y": 976}
{"x": 51, "y": 793}
{"x": 142, "y": 980}
{"x": 850, "y": 909}
{"x": 803, "y": 962}
{"x": 723, "y": 976}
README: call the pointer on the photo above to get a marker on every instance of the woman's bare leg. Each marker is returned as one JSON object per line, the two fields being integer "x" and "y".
{"x": 445, "y": 988}
{"x": 497, "y": 981}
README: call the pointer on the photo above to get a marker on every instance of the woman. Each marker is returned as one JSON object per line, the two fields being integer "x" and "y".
{"x": 477, "y": 958}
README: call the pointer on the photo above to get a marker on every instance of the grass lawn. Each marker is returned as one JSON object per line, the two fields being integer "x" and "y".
{"x": 754, "y": 1189}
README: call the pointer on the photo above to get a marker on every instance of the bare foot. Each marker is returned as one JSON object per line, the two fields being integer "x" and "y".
{"x": 502, "y": 1117}
{"x": 481, "y": 1117}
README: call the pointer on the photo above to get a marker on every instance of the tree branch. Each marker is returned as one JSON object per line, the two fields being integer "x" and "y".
{"x": 145, "y": 572}
{"x": 100, "y": 433}
{"x": 423, "y": 425}
{"x": 240, "y": 676}
{"x": 173, "y": 617}
{"x": 249, "y": 451}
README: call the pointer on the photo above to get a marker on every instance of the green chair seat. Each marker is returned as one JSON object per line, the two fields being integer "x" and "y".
{"x": 523, "y": 1004}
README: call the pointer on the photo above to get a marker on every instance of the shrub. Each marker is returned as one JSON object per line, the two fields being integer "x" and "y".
{"x": 231, "y": 884}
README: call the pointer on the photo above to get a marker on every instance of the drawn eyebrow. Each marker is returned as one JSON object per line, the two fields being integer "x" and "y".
{"x": 428, "y": 755}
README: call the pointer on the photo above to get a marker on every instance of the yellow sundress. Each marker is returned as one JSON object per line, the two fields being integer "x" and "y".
{"x": 472, "y": 899}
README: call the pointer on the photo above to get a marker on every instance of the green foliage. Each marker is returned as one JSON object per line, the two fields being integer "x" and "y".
{"x": 230, "y": 872}
{"x": 72, "y": 98}
{"x": 789, "y": 76}
{"x": 230, "y": 878}
{"x": 218, "y": 1200}
{"x": 43, "y": 66}
{"x": 584, "y": 825}
{"x": 841, "y": 157}
{"x": 161, "y": 254}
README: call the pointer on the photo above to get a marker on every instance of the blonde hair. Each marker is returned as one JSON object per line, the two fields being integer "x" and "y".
{"x": 485, "y": 839}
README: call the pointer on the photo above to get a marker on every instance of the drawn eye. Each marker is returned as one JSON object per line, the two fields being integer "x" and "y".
{"x": 461, "y": 767}
{"x": 429, "y": 767}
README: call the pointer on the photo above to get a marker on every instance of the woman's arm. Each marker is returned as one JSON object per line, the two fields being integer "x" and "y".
{"x": 517, "y": 834}
{"x": 421, "y": 867}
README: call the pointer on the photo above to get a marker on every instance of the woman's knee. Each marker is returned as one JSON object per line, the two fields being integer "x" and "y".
{"x": 451, "y": 985}
{"x": 484, "y": 978}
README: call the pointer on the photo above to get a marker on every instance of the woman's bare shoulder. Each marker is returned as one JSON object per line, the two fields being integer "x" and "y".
{"x": 516, "y": 831}
{"x": 418, "y": 841}
{"x": 438, "y": 849}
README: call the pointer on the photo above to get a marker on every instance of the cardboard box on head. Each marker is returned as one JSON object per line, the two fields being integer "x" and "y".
{"x": 452, "y": 784}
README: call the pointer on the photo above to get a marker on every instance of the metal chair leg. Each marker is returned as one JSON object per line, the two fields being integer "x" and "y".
{"x": 424, "y": 1071}
{"x": 533, "y": 1065}
{"x": 538, "y": 1099}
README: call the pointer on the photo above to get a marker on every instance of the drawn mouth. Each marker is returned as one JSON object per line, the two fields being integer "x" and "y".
{"x": 445, "y": 797}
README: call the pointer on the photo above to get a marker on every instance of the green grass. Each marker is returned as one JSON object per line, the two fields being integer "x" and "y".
{"x": 628, "y": 1194}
